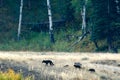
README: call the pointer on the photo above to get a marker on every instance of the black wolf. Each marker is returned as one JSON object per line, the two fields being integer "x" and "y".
{"x": 48, "y": 62}
{"x": 77, "y": 65}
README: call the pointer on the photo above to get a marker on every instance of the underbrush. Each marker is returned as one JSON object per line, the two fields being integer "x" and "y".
{"x": 11, "y": 75}
{"x": 41, "y": 42}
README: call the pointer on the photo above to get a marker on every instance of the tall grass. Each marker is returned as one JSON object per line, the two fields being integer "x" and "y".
{"x": 59, "y": 72}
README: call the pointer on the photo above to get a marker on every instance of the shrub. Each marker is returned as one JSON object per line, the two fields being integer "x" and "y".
{"x": 11, "y": 75}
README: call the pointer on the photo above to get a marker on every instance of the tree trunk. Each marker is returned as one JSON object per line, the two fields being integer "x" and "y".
{"x": 1, "y": 3}
{"x": 109, "y": 42}
{"x": 20, "y": 20}
{"x": 83, "y": 13}
{"x": 50, "y": 22}
{"x": 96, "y": 45}
{"x": 29, "y": 4}
{"x": 108, "y": 7}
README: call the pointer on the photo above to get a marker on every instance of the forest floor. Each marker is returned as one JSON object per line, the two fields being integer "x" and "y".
{"x": 106, "y": 65}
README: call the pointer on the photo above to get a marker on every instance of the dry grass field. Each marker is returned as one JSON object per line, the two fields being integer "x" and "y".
{"x": 106, "y": 65}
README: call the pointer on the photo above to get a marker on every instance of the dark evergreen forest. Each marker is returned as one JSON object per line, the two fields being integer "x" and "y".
{"x": 78, "y": 25}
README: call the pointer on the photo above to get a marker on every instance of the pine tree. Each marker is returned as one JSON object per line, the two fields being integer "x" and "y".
{"x": 105, "y": 16}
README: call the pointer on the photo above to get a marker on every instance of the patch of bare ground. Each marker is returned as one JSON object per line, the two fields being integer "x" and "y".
{"x": 30, "y": 63}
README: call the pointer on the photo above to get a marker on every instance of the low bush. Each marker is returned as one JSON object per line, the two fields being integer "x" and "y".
{"x": 11, "y": 75}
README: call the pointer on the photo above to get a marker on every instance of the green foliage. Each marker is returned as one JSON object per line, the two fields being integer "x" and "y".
{"x": 61, "y": 46}
{"x": 100, "y": 24}
{"x": 104, "y": 18}
{"x": 77, "y": 4}
{"x": 40, "y": 42}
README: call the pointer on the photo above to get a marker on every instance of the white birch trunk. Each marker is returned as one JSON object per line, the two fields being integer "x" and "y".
{"x": 50, "y": 21}
{"x": 20, "y": 20}
{"x": 49, "y": 15}
{"x": 83, "y": 13}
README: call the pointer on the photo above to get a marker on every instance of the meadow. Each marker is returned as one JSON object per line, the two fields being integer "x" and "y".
{"x": 106, "y": 65}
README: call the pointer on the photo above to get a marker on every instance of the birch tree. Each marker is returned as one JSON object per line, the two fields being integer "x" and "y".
{"x": 20, "y": 20}
{"x": 80, "y": 6}
{"x": 83, "y": 14}
{"x": 50, "y": 22}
